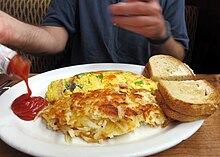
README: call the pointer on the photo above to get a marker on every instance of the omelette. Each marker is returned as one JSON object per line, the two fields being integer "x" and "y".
{"x": 88, "y": 81}
{"x": 100, "y": 105}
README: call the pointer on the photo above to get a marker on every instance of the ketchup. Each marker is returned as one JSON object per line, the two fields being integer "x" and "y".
{"x": 25, "y": 106}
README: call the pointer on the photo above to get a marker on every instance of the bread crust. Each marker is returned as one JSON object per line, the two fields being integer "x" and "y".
{"x": 190, "y": 109}
{"x": 174, "y": 114}
{"x": 148, "y": 71}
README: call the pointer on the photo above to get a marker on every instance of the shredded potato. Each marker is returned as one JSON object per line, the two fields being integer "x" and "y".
{"x": 115, "y": 103}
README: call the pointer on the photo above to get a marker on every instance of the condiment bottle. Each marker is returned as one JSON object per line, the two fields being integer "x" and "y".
{"x": 13, "y": 64}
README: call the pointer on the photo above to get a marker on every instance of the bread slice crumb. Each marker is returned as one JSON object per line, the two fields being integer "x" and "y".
{"x": 164, "y": 67}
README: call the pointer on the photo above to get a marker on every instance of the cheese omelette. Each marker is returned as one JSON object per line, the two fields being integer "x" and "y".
{"x": 100, "y": 105}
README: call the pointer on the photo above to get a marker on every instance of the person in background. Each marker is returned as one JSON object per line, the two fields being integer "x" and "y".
{"x": 127, "y": 31}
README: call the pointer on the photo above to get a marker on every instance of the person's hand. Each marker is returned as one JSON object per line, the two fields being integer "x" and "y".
{"x": 140, "y": 16}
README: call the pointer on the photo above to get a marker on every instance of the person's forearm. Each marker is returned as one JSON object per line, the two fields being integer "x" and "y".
{"x": 170, "y": 47}
{"x": 29, "y": 38}
{"x": 36, "y": 39}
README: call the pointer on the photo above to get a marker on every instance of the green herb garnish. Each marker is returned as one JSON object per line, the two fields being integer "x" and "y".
{"x": 67, "y": 85}
{"x": 139, "y": 83}
{"x": 100, "y": 76}
{"x": 81, "y": 75}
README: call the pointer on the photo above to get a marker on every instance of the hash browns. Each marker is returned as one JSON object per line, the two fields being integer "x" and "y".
{"x": 101, "y": 114}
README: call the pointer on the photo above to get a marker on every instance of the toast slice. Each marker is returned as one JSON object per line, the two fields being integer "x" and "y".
{"x": 181, "y": 96}
{"x": 174, "y": 115}
{"x": 164, "y": 67}
{"x": 190, "y": 97}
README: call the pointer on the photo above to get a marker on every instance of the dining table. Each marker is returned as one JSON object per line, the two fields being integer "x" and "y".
{"x": 204, "y": 142}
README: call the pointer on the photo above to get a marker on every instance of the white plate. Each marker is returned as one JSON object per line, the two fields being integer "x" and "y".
{"x": 33, "y": 138}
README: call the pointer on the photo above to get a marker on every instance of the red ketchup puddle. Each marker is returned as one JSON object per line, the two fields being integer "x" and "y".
{"x": 25, "y": 106}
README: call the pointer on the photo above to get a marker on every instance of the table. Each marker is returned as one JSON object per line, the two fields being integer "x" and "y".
{"x": 205, "y": 142}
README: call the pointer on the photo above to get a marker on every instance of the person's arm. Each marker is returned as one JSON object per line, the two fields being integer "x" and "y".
{"x": 170, "y": 47}
{"x": 30, "y": 38}
{"x": 145, "y": 18}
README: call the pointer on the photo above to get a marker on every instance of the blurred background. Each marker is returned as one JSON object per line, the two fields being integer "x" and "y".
{"x": 205, "y": 56}
{"x": 203, "y": 23}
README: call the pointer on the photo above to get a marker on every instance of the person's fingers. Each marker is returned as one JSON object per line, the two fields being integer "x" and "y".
{"x": 138, "y": 0}
{"x": 140, "y": 16}
{"x": 150, "y": 31}
{"x": 135, "y": 8}
{"x": 135, "y": 21}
